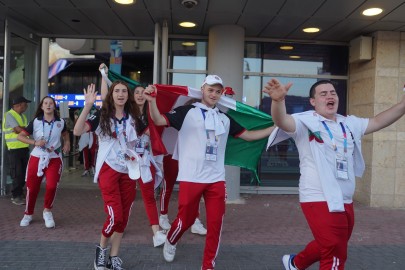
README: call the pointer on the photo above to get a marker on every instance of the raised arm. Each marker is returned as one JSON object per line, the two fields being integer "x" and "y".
{"x": 278, "y": 92}
{"x": 104, "y": 80}
{"x": 150, "y": 95}
{"x": 90, "y": 97}
{"x": 387, "y": 117}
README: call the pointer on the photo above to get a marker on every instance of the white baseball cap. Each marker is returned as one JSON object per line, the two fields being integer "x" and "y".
{"x": 213, "y": 79}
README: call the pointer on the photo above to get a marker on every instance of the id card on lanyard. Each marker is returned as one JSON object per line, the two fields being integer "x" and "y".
{"x": 341, "y": 165}
{"x": 121, "y": 156}
{"x": 211, "y": 148}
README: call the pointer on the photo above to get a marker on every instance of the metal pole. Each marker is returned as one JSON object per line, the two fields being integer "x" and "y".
{"x": 6, "y": 85}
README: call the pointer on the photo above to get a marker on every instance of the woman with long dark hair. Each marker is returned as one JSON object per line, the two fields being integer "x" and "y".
{"x": 117, "y": 167}
{"x": 150, "y": 179}
{"x": 45, "y": 160}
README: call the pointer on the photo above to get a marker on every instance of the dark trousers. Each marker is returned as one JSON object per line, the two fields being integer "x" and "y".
{"x": 18, "y": 161}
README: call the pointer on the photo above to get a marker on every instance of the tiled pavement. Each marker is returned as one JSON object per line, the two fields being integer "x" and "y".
{"x": 255, "y": 235}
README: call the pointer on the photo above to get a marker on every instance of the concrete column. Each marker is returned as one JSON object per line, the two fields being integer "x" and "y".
{"x": 374, "y": 86}
{"x": 44, "y": 68}
{"x": 225, "y": 59}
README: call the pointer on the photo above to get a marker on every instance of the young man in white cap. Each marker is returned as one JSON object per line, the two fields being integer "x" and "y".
{"x": 203, "y": 133}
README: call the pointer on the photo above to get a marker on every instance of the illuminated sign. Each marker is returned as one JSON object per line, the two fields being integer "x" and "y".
{"x": 73, "y": 100}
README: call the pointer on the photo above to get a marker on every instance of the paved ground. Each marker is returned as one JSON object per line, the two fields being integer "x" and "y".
{"x": 255, "y": 236}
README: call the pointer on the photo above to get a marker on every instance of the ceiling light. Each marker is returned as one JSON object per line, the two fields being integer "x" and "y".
{"x": 125, "y": 2}
{"x": 188, "y": 44}
{"x": 372, "y": 11}
{"x": 295, "y": 56}
{"x": 286, "y": 47}
{"x": 187, "y": 24}
{"x": 311, "y": 30}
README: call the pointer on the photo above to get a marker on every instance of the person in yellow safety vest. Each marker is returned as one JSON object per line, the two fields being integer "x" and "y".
{"x": 18, "y": 152}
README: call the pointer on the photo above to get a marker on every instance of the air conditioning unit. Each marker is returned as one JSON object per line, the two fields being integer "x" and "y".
{"x": 360, "y": 49}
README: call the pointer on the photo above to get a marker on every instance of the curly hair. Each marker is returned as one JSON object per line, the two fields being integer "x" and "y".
{"x": 40, "y": 112}
{"x": 107, "y": 111}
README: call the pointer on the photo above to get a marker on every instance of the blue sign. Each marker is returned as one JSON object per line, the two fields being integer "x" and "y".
{"x": 73, "y": 100}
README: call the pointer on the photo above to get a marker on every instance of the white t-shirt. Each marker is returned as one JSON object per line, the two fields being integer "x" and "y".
{"x": 192, "y": 142}
{"x": 119, "y": 142}
{"x": 49, "y": 131}
{"x": 310, "y": 186}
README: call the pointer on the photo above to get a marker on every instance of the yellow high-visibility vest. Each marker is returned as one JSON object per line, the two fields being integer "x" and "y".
{"x": 10, "y": 135}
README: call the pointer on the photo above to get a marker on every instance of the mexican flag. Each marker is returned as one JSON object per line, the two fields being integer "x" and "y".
{"x": 238, "y": 152}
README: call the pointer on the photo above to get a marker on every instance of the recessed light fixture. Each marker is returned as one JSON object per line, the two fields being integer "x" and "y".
{"x": 188, "y": 44}
{"x": 295, "y": 56}
{"x": 125, "y": 2}
{"x": 286, "y": 47}
{"x": 187, "y": 24}
{"x": 311, "y": 30}
{"x": 372, "y": 11}
{"x": 139, "y": 72}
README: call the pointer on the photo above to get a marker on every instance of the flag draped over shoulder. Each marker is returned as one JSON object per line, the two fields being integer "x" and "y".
{"x": 239, "y": 152}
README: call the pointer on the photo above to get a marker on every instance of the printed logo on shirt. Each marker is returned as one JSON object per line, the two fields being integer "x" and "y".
{"x": 315, "y": 136}
{"x": 59, "y": 125}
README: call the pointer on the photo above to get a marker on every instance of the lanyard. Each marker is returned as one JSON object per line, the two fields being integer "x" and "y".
{"x": 333, "y": 140}
{"x": 124, "y": 132}
{"x": 206, "y": 131}
{"x": 50, "y": 131}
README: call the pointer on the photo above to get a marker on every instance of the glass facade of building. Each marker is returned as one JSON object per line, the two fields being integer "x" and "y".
{"x": 301, "y": 64}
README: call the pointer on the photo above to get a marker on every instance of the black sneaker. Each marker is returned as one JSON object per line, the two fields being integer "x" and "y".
{"x": 114, "y": 263}
{"x": 101, "y": 258}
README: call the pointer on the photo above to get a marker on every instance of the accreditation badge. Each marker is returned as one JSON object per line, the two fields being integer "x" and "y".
{"x": 342, "y": 168}
{"x": 211, "y": 150}
{"x": 140, "y": 147}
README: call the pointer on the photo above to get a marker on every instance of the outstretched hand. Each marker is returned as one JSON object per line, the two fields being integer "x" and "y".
{"x": 90, "y": 95}
{"x": 150, "y": 93}
{"x": 276, "y": 90}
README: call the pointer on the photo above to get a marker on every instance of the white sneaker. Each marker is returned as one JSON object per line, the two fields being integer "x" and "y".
{"x": 164, "y": 222}
{"x": 26, "y": 220}
{"x": 159, "y": 238}
{"x": 287, "y": 262}
{"x": 169, "y": 251}
{"x": 92, "y": 171}
{"x": 198, "y": 227}
{"x": 49, "y": 222}
{"x": 85, "y": 173}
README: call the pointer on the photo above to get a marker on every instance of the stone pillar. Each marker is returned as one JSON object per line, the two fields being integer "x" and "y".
{"x": 374, "y": 86}
{"x": 225, "y": 59}
{"x": 43, "y": 92}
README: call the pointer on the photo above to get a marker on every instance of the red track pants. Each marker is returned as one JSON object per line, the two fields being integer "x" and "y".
{"x": 332, "y": 231}
{"x": 189, "y": 199}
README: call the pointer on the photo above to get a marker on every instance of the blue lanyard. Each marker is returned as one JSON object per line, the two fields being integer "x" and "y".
{"x": 333, "y": 140}
{"x": 124, "y": 132}
{"x": 50, "y": 131}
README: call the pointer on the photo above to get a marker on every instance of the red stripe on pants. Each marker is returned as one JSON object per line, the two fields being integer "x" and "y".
{"x": 189, "y": 200}
{"x": 148, "y": 197}
{"x": 118, "y": 191}
{"x": 52, "y": 173}
{"x": 332, "y": 231}
{"x": 170, "y": 168}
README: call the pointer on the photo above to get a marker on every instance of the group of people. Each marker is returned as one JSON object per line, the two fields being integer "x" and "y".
{"x": 329, "y": 147}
